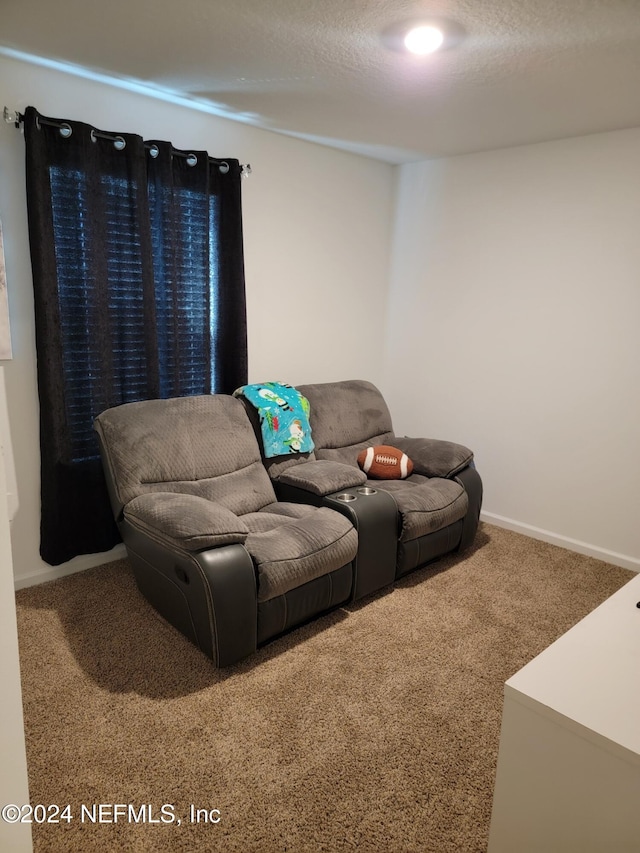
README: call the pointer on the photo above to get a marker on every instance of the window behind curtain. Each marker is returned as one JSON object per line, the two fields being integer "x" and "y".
{"x": 78, "y": 285}
{"x": 185, "y": 281}
{"x": 139, "y": 293}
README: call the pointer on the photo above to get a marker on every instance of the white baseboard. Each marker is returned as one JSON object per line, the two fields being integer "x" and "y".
{"x": 603, "y": 554}
{"x": 78, "y": 564}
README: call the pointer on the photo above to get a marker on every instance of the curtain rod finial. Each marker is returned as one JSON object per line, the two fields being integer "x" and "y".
{"x": 12, "y": 116}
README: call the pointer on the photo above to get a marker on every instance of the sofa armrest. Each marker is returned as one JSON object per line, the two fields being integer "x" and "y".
{"x": 434, "y": 458}
{"x": 209, "y": 596}
{"x": 188, "y": 522}
{"x": 322, "y": 476}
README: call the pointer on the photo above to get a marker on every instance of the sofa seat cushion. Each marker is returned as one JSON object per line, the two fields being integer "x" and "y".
{"x": 425, "y": 504}
{"x": 295, "y": 544}
{"x": 274, "y": 515}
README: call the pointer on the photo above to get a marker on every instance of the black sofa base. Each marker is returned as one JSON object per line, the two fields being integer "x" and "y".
{"x": 418, "y": 552}
{"x": 299, "y": 605}
{"x": 455, "y": 537}
{"x": 211, "y": 596}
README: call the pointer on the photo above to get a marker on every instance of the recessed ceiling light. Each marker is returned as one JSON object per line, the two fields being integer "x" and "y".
{"x": 422, "y": 36}
{"x": 424, "y": 39}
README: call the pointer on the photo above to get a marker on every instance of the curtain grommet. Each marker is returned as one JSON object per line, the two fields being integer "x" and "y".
{"x": 223, "y": 167}
{"x": 119, "y": 143}
{"x": 192, "y": 160}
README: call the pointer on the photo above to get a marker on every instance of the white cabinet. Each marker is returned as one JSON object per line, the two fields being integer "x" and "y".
{"x": 568, "y": 776}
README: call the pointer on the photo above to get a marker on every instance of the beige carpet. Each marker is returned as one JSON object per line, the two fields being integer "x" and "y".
{"x": 372, "y": 729}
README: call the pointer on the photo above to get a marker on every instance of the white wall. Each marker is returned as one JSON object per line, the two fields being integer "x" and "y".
{"x": 317, "y": 225}
{"x": 514, "y": 328}
{"x": 14, "y": 785}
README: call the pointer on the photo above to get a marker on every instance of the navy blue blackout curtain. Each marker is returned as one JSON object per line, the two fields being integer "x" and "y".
{"x": 138, "y": 275}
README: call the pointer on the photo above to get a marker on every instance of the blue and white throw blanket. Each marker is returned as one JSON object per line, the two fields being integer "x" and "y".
{"x": 284, "y": 417}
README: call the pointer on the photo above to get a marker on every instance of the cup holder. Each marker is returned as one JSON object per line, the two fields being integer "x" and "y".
{"x": 367, "y": 490}
{"x": 345, "y": 496}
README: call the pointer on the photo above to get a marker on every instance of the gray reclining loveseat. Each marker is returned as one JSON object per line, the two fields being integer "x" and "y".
{"x": 211, "y": 548}
{"x": 233, "y": 548}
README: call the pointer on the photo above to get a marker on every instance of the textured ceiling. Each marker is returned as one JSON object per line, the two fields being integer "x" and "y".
{"x": 522, "y": 71}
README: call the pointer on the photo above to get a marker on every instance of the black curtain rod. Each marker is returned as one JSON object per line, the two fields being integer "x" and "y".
{"x": 16, "y": 118}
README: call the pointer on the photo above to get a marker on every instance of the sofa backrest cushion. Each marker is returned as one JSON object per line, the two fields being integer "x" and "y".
{"x": 200, "y": 445}
{"x": 345, "y": 416}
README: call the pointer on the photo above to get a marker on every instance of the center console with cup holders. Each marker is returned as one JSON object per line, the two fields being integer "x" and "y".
{"x": 374, "y": 514}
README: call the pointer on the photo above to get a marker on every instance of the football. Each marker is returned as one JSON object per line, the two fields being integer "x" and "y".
{"x": 385, "y": 463}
